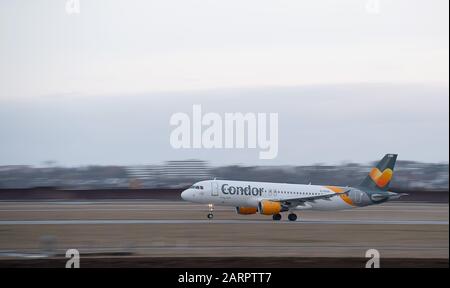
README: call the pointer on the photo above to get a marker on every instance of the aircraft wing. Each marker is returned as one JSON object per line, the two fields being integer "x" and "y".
{"x": 300, "y": 200}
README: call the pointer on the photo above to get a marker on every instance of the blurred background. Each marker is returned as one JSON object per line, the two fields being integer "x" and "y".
{"x": 179, "y": 174}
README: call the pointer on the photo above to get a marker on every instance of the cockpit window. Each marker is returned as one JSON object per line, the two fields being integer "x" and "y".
{"x": 196, "y": 187}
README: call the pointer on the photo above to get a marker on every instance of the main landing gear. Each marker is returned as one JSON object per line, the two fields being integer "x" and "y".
{"x": 211, "y": 210}
{"x": 291, "y": 217}
{"x": 276, "y": 217}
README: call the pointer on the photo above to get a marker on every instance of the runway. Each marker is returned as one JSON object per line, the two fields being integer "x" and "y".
{"x": 212, "y": 222}
{"x": 153, "y": 228}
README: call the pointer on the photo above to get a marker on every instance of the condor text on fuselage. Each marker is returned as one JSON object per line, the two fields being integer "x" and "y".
{"x": 238, "y": 190}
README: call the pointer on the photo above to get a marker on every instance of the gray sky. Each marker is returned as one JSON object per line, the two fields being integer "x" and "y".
{"x": 350, "y": 83}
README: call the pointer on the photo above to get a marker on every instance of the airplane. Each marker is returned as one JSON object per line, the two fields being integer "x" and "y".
{"x": 273, "y": 198}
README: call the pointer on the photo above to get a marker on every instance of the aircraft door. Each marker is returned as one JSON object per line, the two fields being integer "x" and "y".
{"x": 214, "y": 188}
{"x": 356, "y": 196}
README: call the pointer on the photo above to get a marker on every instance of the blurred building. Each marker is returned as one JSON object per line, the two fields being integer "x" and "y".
{"x": 143, "y": 176}
{"x": 191, "y": 169}
{"x": 171, "y": 174}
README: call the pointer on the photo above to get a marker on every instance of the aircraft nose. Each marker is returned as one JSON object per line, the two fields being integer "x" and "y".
{"x": 184, "y": 194}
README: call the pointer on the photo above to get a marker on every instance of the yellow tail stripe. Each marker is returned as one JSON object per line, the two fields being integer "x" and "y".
{"x": 344, "y": 197}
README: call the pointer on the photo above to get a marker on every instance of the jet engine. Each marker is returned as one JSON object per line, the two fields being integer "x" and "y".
{"x": 267, "y": 207}
{"x": 246, "y": 210}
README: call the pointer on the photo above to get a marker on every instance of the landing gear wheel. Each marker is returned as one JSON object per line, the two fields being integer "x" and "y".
{"x": 211, "y": 209}
{"x": 292, "y": 217}
{"x": 276, "y": 217}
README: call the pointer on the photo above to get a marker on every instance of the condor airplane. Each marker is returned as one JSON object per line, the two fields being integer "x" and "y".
{"x": 273, "y": 198}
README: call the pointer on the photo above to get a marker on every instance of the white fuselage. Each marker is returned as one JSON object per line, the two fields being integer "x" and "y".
{"x": 249, "y": 194}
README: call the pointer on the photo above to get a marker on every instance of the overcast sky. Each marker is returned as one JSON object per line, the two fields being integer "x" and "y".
{"x": 351, "y": 81}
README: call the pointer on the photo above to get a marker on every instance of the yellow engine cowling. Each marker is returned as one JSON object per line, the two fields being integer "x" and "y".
{"x": 246, "y": 210}
{"x": 267, "y": 207}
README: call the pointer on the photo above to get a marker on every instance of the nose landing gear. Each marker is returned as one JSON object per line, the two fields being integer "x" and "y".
{"x": 211, "y": 209}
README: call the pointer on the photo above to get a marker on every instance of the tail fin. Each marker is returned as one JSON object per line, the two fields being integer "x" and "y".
{"x": 380, "y": 176}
